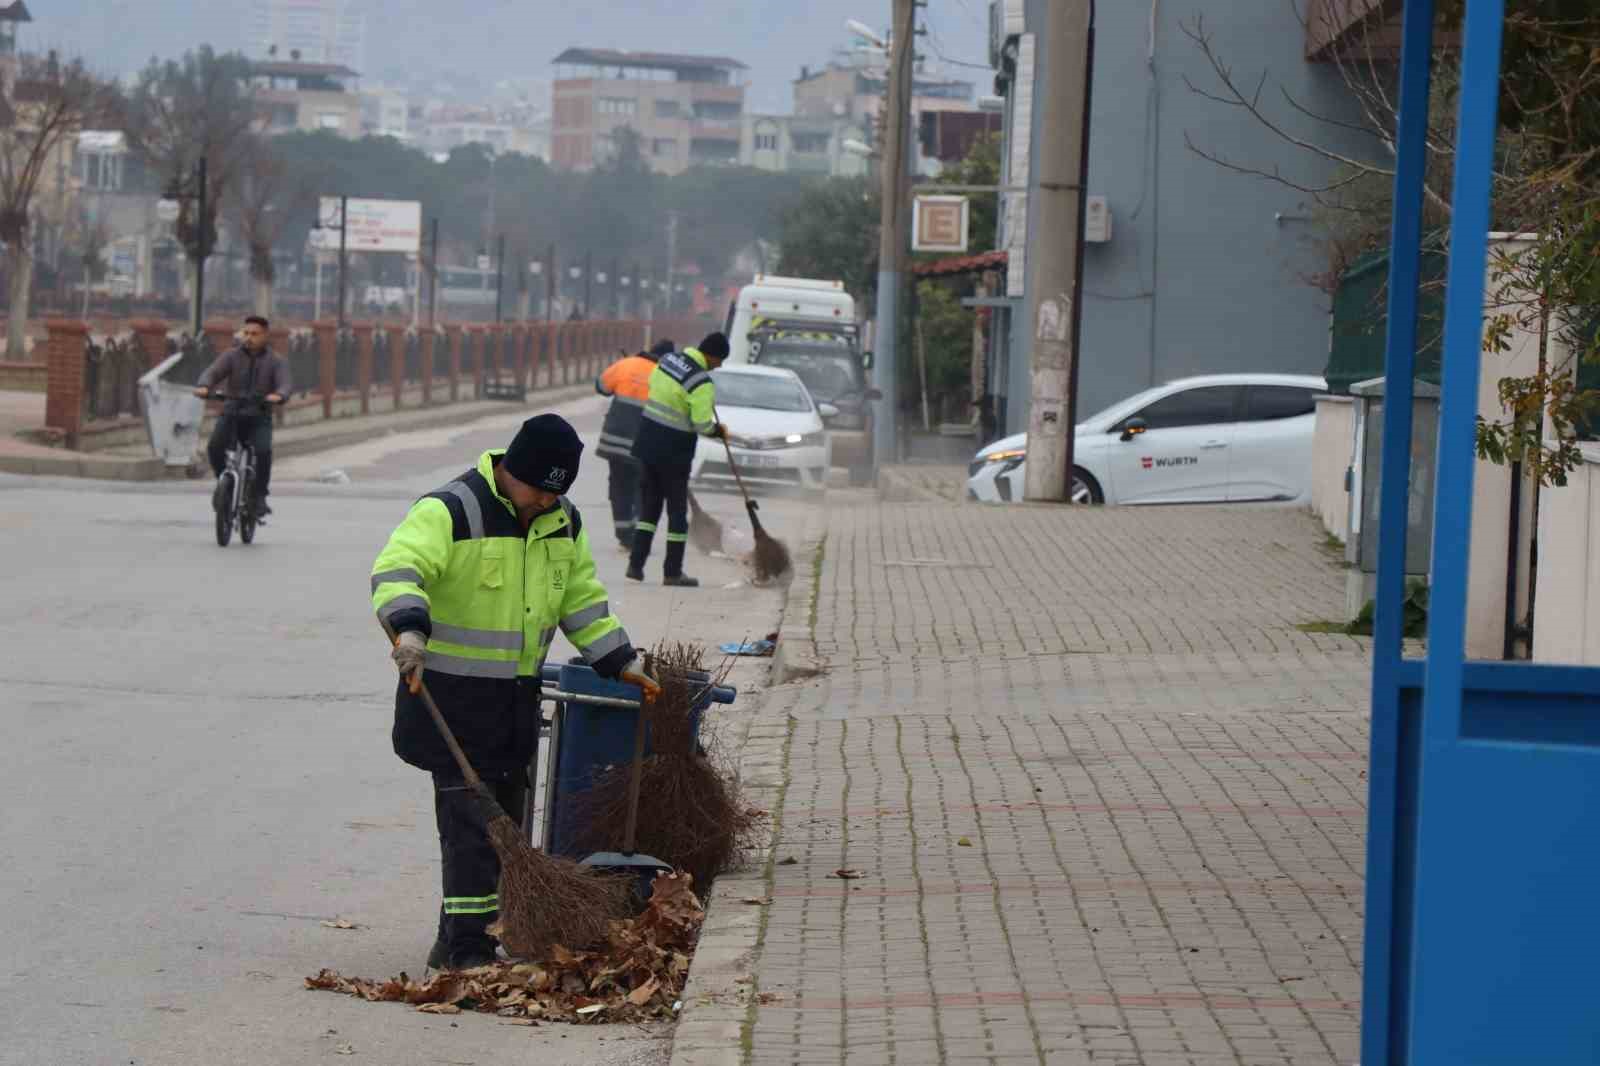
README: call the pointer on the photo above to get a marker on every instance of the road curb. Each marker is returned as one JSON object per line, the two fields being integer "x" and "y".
{"x": 119, "y": 468}
{"x": 717, "y": 998}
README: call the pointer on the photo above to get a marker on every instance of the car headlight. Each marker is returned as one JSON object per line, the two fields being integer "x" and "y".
{"x": 793, "y": 438}
{"x": 1011, "y": 456}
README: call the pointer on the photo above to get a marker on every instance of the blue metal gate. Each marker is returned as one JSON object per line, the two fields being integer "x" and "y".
{"x": 1483, "y": 860}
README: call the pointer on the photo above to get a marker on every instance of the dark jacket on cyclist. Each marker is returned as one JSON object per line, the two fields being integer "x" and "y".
{"x": 237, "y": 373}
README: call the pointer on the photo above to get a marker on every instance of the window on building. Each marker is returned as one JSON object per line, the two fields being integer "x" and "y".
{"x": 810, "y": 143}
{"x": 330, "y": 120}
{"x": 766, "y": 142}
{"x": 101, "y": 171}
{"x": 716, "y": 111}
{"x": 668, "y": 109}
{"x": 664, "y": 148}
{"x": 617, "y": 105}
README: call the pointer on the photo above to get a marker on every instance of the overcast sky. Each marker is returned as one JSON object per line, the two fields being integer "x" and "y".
{"x": 518, "y": 38}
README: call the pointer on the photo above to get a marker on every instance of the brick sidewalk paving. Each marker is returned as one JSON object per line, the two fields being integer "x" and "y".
{"x": 1106, "y": 800}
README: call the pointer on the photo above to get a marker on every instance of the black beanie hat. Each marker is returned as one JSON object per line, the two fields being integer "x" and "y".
{"x": 545, "y": 454}
{"x": 663, "y": 347}
{"x": 715, "y": 346}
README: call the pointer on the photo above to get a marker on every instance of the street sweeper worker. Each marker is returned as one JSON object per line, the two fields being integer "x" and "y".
{"x": 680, "y": 408}
{"x": 627, "y": 382}
{"x": 474, "y": 584}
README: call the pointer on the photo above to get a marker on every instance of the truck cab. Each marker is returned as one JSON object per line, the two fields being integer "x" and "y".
{"x": 808, "y": 301}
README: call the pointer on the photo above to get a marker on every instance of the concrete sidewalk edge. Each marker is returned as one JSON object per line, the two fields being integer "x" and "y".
{"x": 339, "y": 434}
{"x": 717, "y": 999}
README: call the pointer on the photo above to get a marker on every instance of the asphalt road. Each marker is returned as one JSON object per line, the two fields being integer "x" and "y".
{"x": 197, "y": 771}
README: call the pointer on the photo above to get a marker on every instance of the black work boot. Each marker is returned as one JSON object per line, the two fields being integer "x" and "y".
{"x": 682, "y": 581}
{"x": 640, "y": 554}
{"x": 672, "y": 566}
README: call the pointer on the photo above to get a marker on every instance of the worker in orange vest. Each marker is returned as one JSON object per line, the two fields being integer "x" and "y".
{"x": 627, "y": 382}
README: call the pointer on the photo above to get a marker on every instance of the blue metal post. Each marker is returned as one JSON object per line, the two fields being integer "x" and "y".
{"x": 1463, "y": 336}
{"x": 1380, "y": 975}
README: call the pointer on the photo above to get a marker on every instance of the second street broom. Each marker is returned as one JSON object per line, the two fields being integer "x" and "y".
{"x": 771, "y": 558}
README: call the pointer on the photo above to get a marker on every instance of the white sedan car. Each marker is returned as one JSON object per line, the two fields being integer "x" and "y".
{"x": 1200, "y": 440}
{"x": 774, "y": 429}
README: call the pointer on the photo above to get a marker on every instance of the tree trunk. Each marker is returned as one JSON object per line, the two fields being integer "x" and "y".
{"x": 263, "y": 297}
{"x": 21, "y": 268}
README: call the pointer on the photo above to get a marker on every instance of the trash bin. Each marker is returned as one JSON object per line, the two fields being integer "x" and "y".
{"x": 172, "y": 414}
{"x": 587, "y": 737}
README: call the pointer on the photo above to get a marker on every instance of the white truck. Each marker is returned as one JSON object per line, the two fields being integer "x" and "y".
{"x": 794, "y": 301}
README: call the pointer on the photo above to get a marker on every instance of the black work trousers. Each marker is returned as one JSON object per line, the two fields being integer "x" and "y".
{"x": 624, "y": 485}
{"x": 256, "y": 430}
{"x": 470, "y": 867}
{"x": 662, "y": 484}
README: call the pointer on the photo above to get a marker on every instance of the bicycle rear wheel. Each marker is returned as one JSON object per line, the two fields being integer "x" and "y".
{"x": 223, "y": 503}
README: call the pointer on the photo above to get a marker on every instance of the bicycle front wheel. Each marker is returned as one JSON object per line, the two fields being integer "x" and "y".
{"x": 223, "y": 503}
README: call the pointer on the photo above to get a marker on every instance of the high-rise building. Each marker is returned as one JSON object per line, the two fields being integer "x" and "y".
{"x": 320, "y": 31}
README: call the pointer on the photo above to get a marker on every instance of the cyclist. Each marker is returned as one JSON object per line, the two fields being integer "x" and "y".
{"x": 248, "y": 374}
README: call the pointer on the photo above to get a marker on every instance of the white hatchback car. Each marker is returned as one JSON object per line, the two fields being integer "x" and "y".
{"x": 774, "y": 428}
{"x": 1199, "y": 440}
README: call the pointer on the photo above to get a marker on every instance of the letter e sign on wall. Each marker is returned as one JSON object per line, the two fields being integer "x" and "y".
{"x": 940, "y": 224}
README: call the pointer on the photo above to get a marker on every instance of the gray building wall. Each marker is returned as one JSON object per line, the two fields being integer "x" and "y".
{"x": 1200, "y": 275}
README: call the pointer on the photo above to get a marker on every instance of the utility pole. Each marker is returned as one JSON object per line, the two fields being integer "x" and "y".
{"x": 202, "y": 248}
{"x": 344, "y": 254}
{"x": 1055, "y": 253}
{"x": 499, "y": 278}
{"x": 892, "y": 230}
{"x": 550, "y": 282}
{"x": 672, "y": 254}
{"x": 588, "y": 283}
{"x": 433, "y": 272}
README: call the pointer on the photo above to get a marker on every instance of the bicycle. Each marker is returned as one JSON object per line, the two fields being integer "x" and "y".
{"x": 234, "y": 498}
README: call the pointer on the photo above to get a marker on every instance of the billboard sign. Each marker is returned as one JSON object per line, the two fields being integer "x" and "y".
{"x": 374, "y": 226}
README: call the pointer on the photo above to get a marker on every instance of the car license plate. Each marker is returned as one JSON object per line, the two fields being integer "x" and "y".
{"x": 758, "y": 460}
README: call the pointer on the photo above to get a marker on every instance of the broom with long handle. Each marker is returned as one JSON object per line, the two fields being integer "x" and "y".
{"x": 771, "y": 556}
{"x": 705, "y": 532}
{"x": 544, "y": 900}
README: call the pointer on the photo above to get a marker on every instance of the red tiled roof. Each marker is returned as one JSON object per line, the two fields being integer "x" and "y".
{"x": 961, "y": 264}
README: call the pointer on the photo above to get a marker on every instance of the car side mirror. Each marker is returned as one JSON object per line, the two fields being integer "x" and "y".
{"x": 874, "y": 394}
{"x": 827, "y": 410}
{"x": 1133, "y": 427}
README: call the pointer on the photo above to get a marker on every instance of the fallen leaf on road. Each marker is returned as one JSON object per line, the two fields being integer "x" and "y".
{"x": 768, "y": 997}
{"x": 790, "y": 861}
{"x": 594, "y": 1008}
{"x": 641, "y": 995}
{"x": 757, "y": 901}
{"x": 439, "y": 1008}
{"x": 848, "y": 875}
{"x": 964, "y": 842}
{"x": 345, "y": 1049}
{"x": 341, "y": 923}
{"x": 518, "y": 1021}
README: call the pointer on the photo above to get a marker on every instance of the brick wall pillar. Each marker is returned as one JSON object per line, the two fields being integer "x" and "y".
{"x": 65, "y": 357}
{"x": 427, "y": 338}
{"x": 478, "y": 336}
{"x": 327, "y": 358}
{"x": 221, "y": 335}
{"x": 454, "y": 333}
{"x": 397, "y": 364}
{"x": 363, "y": 332}
{"x": 151, "y": 336}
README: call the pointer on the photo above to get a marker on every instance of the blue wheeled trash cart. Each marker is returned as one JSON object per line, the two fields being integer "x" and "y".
{"x": 592, "y": 729}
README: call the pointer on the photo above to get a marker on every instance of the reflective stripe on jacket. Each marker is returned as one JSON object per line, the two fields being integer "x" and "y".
{"x": 627, "y": 382}
{"x": 490, "y": 599}
{"x": 681, "y": 405}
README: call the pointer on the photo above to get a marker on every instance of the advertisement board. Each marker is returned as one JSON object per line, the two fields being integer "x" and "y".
{"x": 374, "y": 226}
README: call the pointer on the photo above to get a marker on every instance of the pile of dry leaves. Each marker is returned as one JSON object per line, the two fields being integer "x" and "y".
{"x": 637, "y": 975}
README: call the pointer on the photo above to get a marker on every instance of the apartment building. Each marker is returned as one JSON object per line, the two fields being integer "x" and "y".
{"x": 687, "y": 110}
